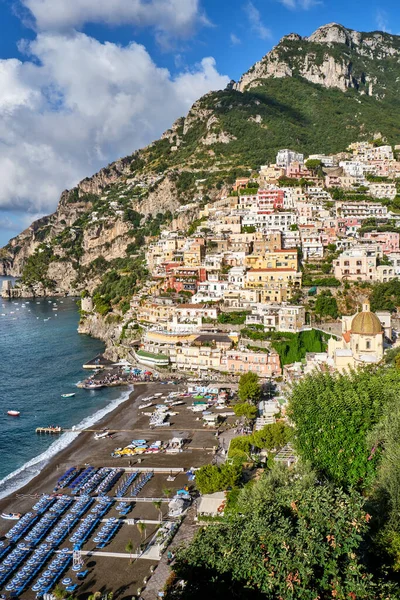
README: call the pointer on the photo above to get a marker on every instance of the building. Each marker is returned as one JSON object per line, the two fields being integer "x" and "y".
{"x": 361, "y": 342}
{"x": 389, "y": 241}
{"x": 278, "y": 259}
{"x": 265, "y": 364}
{"x": 383, "y": 190}
{"x": 273, "y": 285}
{"x": 270, "y": 200}
{"x": 275, "y": 317}
{"x": 265, "y": 222}
{"x": 356, "y": 264}
{"x": 361, "y": 210}
{"x": 285, "y": 158}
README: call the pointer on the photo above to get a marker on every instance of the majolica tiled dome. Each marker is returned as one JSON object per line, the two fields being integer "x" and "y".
{"x": 366, "y": 323}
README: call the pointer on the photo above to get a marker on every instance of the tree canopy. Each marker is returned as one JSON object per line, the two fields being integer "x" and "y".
{"x": 290, "y": 537}
{"x": 326, "y": 305}
{"x": 249, "y": 388}
{"x": 333, "y": 415}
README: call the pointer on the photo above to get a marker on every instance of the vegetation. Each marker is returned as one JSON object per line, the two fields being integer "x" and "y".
{"x": 35, "y": 269}
{"x": 334, "y": 414}
{"x": 213, "y": 478}
{"x": 233, "y": 318}
{"x": 271, "y": 437}
{"x": 290, "y": 537}
{"x": 326, "y": 305}
{"x": 249, "y": 388}
{"x": 249, "y": 411}
{"x": 385, "y": 296}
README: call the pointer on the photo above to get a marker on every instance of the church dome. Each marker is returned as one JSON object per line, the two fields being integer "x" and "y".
{"x": 366, "y": 322}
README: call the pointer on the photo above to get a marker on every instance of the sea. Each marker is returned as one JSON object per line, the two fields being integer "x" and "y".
{"x": 41, "y": 357}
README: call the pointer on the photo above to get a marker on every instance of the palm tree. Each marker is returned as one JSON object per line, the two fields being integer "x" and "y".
{"x": 157, "y": 504}
{"x": 129, "y": 548}
{"x": 167, "y": 492}
{"x": 142, "y": 529}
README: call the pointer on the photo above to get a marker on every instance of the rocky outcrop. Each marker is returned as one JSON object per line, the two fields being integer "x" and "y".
{"x": 316, "y": 59}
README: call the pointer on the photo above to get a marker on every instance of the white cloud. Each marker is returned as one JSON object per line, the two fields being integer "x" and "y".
{"x": 76, "y": 104}
{"x": 382, "y": 21}
{"x": 235, "y": 41}
{"x": 256, "y": 24}
{"x": 169, "y": 18}
{"x": 300, "y": 4}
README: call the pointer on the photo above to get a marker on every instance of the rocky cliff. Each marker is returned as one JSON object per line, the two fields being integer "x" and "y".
{"x": 334, "y": 57}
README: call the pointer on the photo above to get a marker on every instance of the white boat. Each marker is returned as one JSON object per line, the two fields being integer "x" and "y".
{"x": 68, "y": 395}
{"x": 103, "y": 434}
{"x": 11, "y": 516}
{"x": 13, "y": 413}
{"x": 141, "y": 406}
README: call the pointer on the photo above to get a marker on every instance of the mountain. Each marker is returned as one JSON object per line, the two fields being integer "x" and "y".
{"x": 314, "y": 94}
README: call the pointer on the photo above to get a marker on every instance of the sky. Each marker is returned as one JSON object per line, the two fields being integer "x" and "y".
{"x": 84, "y": 82}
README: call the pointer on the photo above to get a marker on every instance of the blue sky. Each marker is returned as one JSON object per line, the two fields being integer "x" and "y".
{"x": 83, "y": 82}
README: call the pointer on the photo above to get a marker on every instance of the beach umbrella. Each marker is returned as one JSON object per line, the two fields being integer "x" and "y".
{"x": 67, "y": 581}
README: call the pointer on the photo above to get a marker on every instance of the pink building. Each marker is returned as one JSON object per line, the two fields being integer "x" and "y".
{"x": 270, "y": 200}
{"x": 387, "y": 240}
{"x": 348, "y": 225}
{"x": 263, "y": 363}
{"x": 297, "y": 170}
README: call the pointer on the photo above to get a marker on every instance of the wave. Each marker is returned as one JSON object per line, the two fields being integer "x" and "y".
{"x": 20, "y": 477}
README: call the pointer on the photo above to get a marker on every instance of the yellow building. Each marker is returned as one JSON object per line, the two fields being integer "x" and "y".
{"x": 273, "y": 285}
{"x": 361, "y": 342}
{"x": 154, "y": 313}
{"x": 193, "y": 257}
{"x": 277, "y": 259}
{"x": 199, "y": 358}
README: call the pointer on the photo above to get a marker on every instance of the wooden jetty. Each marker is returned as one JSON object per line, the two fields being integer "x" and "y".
{"x": 49, "y": 430}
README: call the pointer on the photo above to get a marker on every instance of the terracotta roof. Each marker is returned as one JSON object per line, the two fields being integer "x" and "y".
{"x": 347, "y": 336}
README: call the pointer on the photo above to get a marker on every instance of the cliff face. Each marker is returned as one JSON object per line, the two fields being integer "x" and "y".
{"x": 346, "y": 83}
{"x": 334, "y": 57}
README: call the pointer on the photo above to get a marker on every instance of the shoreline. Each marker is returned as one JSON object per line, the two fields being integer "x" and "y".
{"x": 77, "y": 445}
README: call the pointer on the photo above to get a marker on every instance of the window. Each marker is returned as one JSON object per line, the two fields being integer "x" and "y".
{"x": 368, "y": 345}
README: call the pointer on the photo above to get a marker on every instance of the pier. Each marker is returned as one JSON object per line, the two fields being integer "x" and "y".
{"x": 49, "y": 430}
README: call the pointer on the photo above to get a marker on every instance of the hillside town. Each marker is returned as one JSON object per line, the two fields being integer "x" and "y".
{"x": 226, "y": 295}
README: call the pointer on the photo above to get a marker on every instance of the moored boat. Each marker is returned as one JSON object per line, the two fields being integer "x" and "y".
{"x": 13, "y": 413}
{"x": 68, "y": 395}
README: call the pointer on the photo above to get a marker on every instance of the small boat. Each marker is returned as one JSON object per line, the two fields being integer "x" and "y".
{"x": 13, "y": 413}
{"x": 142, "y": 406}
{"x": 11, "y": 516}
{"x": 68, "y": 395}
{"x": 103, "y": 434}
{"x": 93, "y": 386}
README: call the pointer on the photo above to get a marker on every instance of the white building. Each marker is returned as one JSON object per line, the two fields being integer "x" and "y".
{"x": 281, "y": 221}
{"x": 284, "y": 158}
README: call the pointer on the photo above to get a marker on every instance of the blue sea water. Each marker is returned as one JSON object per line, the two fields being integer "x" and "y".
{"x": 41, "y": 357}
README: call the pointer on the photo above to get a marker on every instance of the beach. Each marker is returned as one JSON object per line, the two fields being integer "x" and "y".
{"x": 129, "y": 423}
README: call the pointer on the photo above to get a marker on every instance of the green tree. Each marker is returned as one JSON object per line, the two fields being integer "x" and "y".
{"x": 292, "y": 537}
{"x": 158, "y": 505}
{"x": 129, "y": 549}
{"x": 213, "y": 478}
{"x": 249, "y": 387}
{"x": 313, "y": 165}
{"x": 249, "y": 411}
{"x": 167, "y": 492}
{"x": 273, "y": 436}
{"x": 334, "y": 415}
{"x": 142, "y": 529}
{"x": 326, "y": 305}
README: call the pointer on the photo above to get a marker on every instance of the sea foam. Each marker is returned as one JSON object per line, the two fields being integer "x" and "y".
{"x": 20, "y": 477}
